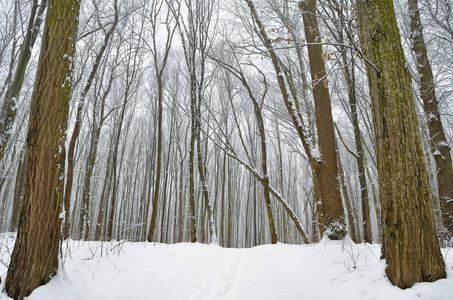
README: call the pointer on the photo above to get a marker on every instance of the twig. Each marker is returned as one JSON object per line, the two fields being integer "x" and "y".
{"x": 342, "y": 141}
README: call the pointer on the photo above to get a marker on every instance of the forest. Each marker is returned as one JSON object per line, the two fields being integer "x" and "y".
{"x": 239, "y": 123}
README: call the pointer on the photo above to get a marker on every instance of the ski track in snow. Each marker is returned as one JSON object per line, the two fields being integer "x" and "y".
{"x": 223, "y": 284}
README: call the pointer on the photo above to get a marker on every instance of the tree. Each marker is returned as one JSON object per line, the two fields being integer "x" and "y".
{"x": 333, "y": 220}
{"x": 258, "y": 105}
{"x": 339, "y": 24}
{"x": 257, "y": 108}
{"x": 409, "y": 245}
{"x": 8, "y": 110}
{"x": 35, "y": 256}
{"x": 325, "y": 168}
{"x": 75, "y": 134}
{"x": 194, "y": 31}
{"x": 159, "y": 64}
{"x": 439, "y": 145}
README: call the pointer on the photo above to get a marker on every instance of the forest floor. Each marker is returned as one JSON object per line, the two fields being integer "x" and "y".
{"x": 124, "y": 270}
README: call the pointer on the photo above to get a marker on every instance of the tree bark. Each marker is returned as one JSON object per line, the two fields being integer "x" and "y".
{"x": 18, "y": 192}
{"x": 155, "y": 201}
{"x": 409, "y": 245}
{"x": 35, "y": 257}
{"x": 333, "y": 219}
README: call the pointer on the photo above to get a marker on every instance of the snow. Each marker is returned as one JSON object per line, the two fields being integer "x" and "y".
{"x": 328, "y": 270}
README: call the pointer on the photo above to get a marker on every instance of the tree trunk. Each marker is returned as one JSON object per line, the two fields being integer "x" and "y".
{"x": 70, "y": 172}
{"x": 440, "y": 148}
{"x": 180, "y": 200}
{"x": 262, "y": 133}
{"x": 410, "y": 245}
{"x": 8, "y": 111}
{"x": 102, "y": 213}
{"x": 155, "y": 201}
{"x": 18, "y": 192}
{"x": 349, "y": 74}
{"x": 347, "y": 202}
{"x": 333, "y": 219}
{"x": 35, "y": 257}
{"x": 193, "y": 227}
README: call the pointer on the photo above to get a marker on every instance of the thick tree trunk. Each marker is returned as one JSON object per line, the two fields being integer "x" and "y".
{"x": 333, "y": 219}
{"x": 440, "y": 148}
{"x": 35, "y": 257}
{"x": 410, "y": 245}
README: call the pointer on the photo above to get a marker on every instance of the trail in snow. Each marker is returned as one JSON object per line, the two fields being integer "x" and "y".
{"x": 328, "y": 270}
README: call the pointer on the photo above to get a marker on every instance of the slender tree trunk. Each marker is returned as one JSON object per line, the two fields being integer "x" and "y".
{"x": 8, "y": 110}
{"x": 265, "y": 178}
{"x": 155, "y": 202}
{"x": 204, "y": 184}
{"x": 230, "y": 237}
{"x": 159, "y": 72}
{"x": 181, "y": 202}
{"x": 352, "y": 97}
{"x": 19, "y": 192}
{"x": 410, "y": 244}
{"x": 440, "y": 148}
{"x": 12, "y": 62}
{"x": 70, "y": 172}
{"x": 112, "y": 209}
{"x": 166, "y": 203}
{"x": 193, "y": 228}
{"x": 347, "y": 201}
{"x": 35, "y": 257}
{"x": 223, "y": 204}
{"x": 104, "y": 199}
{"x": 360, "y": 164}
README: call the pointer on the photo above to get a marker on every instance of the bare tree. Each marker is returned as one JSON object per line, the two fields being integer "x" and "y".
{"x": 8, "y": 109}
{"x": 35, "y": 257}
{"x": 324, "y": 183}
{"x": 439, "y": 145}
{"x": 76, "y": 131}
{"x": 159, "y": 64}
{"x": 194, "y": 31}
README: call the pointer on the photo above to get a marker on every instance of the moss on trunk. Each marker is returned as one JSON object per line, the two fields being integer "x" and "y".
{"x": 410, "y": 245}
{"x": 35, "y": 257}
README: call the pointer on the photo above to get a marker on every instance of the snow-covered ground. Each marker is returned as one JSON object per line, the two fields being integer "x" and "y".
{"x": 328, "y": 270}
